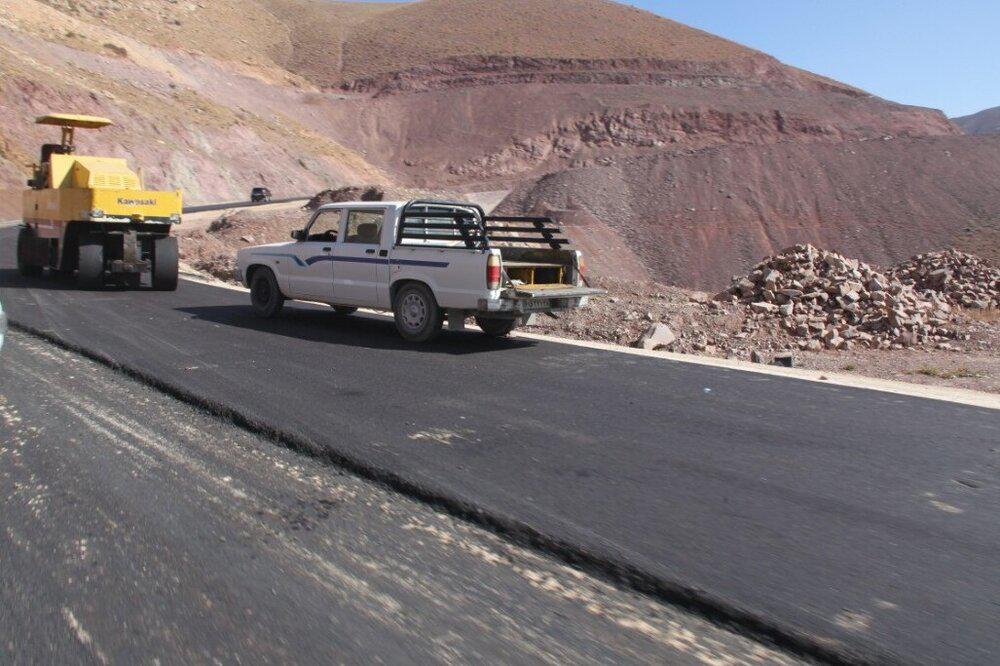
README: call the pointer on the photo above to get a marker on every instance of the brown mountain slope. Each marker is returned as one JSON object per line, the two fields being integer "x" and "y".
{"x": 594, "y": 80}
{"x": 696, "y": 218}
{"x": 636, "y": 117}
{"x": 436, "y": 30}
{"x": 317, "y": 33}
{"x": 330, "y": 42}
{"x": 185, "y": 117}
{"x": 507, "y": 132}
{"x": 984, "y": 122}
{"x": 459, "y": 91}
{"x": 226, "y": 29}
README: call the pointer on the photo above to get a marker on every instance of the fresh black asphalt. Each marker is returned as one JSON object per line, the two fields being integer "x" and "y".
{"x": 862, "y": 522}
{"x": 137, "y": 529}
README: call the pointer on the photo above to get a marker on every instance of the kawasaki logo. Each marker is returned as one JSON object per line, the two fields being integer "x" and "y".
{"x": 136, "y": 202}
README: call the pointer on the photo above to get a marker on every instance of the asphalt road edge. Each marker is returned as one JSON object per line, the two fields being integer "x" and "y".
{"x": 617, "y": 571}
{"x": 929, "y": 392}
{"x": 958, "y": 396}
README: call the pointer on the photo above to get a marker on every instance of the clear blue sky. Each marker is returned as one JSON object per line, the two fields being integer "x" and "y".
{"x": 937, "y": 53}
{"x": 943, "y": 54}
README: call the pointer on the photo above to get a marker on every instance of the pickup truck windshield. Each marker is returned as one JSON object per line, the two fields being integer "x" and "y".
{"x": 324, "y": 228}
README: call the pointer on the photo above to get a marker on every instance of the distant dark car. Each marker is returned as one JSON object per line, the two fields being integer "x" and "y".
{"x": 260, "y": 194}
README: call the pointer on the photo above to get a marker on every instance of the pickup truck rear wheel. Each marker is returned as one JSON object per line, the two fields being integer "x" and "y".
{"x": 265, "y": 295}
{"x": 496, "y": 328}
{"x": 418, "y": 317}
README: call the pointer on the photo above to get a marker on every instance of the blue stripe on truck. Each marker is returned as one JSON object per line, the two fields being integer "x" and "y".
{"x": 279, "y": 254}
{"x": 356, "y": 260}
{"x": 353, "y": 260}
{"x": 413, "y": 262}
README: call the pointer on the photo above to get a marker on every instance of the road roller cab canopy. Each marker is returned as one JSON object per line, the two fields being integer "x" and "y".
{"x": 68, "y": 122}
{"x": 73, "y": 120}
{"x": 60, "y": 168}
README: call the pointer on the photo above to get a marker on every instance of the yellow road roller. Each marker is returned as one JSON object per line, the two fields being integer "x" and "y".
{"x": 91, "y": 215}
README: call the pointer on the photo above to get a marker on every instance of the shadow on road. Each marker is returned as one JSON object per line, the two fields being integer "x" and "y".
{"x": 11, "y": 278}
{"x": 323, "y": 325}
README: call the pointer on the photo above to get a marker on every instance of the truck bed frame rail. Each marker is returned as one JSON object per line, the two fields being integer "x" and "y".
{"x": 435, "y": 223}
{"x": 541, "y": 230}
{"x": 423, "y": 221}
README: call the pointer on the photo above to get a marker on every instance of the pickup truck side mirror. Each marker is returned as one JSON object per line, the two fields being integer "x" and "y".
{"x": 298, "y": 234}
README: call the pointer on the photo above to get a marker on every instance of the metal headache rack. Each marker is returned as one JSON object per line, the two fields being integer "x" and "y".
{"x": 442, "y": 224}
{"x": 447, "y": 224}
{"x": 529, "y": 229}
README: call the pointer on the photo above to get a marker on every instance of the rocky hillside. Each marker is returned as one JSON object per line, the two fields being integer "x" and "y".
{"x": 697, "y": 217}
{"x": 467, "y": 30}
{"x": 984, "y": 122}
{"x": 196, "y": 112}
{"x": 685, "y": 154}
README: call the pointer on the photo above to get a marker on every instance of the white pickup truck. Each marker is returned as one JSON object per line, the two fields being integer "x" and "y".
{"x": 426, "y": 261}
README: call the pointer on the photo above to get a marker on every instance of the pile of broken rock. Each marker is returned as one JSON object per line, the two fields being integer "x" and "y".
{"x": 964, "y": 279}
{"x": 829, "y": 301}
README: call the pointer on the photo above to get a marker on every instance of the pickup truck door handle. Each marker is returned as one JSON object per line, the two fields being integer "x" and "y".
{"x": 369, "y": 251}
{"x": 383, "y": 253}
{"x": 327, "y": 249}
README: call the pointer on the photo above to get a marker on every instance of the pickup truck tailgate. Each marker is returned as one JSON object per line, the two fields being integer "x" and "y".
{"x": 555, "y": 291}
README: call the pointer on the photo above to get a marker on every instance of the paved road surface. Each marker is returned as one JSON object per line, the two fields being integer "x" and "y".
{"x": 136, "y": 528}
{"x": 239, "y": 204}
{"x": 862, "y": 521}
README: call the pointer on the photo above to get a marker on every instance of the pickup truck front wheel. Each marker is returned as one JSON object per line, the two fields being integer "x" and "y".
{"x": 496, "y": 328}
{"x": 265, "y": 296}
{"x": 418, "y": 317}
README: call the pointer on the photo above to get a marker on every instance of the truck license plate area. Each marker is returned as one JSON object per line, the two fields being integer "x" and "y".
{"x": 537, "y": 303}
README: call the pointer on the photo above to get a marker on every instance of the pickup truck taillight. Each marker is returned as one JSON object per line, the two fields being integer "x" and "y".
{"x": 493, "y": 272}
